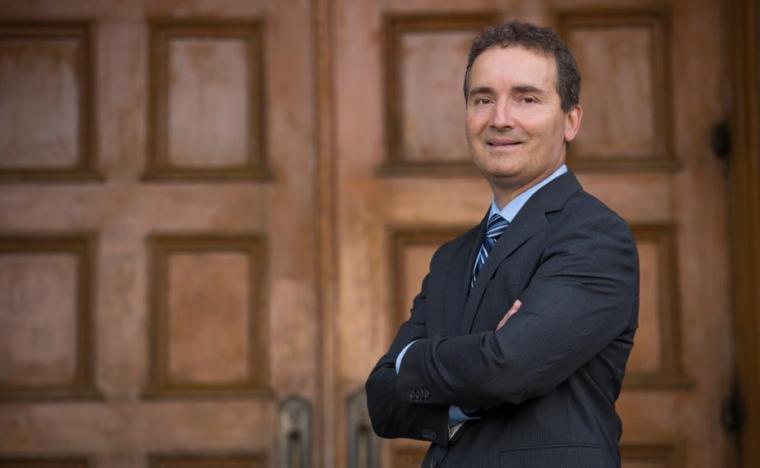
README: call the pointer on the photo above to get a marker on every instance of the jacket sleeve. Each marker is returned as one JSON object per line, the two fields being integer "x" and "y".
{"x": 583, "y": 296}
{"x": 392, "y": 416}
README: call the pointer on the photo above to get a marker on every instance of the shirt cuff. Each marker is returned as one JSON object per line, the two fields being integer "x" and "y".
{"x": 458, "y": 415}
{"x": 401, "y": 356}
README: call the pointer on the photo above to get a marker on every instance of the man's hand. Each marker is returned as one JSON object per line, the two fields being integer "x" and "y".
{"x": 512, "y": 311}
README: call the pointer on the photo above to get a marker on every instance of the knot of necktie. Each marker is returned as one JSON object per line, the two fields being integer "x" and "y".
{"x": 494, "y": 229}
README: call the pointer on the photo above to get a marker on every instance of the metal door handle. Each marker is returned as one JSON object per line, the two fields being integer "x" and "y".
{"x": 295, "y": 433}
{"x": 363, "y": 445}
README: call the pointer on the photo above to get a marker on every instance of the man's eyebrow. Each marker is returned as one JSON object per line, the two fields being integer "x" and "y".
{"x": 523, "y": 88}
{"x": 527, "y": 89}
{"x": 480, "y": 90}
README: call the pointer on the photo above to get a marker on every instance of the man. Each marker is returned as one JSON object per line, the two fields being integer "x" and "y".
{"x": 515, "y": 350}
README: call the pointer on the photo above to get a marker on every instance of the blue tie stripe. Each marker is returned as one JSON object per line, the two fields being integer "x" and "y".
{"x": 495, "y": 228}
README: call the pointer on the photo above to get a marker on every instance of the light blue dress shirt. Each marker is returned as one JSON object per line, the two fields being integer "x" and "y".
{"x": 456, "y": 414}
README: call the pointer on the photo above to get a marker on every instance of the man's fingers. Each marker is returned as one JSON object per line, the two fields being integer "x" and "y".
{"x": 512, "y": 311}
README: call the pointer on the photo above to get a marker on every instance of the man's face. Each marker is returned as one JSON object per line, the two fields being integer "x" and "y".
{"x": 516, "y": 129}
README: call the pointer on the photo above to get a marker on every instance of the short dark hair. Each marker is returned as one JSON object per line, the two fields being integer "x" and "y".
{"x": 537, "y": 39}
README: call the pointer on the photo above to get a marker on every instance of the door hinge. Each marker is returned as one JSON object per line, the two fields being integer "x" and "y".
{"x": 732, "y": 415}
{"x": 720, "y": 140}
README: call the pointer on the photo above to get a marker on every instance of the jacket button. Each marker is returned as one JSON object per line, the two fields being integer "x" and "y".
{"x": 426, "y": 393}
{"x": 411, "y": 395}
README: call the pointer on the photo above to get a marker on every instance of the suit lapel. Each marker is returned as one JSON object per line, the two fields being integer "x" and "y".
{"x": 528, "y": 221}
{"x": 519, "y": 231}
{"x": 458, "y": 277}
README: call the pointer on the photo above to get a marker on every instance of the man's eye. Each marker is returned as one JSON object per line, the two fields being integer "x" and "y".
{"x": 528, "y": 99}
{"x": 481, "y": 100}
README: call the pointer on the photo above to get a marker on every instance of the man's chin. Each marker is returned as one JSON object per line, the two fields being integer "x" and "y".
{"x": 505, "y": 180}
{"x": 502, "y": 173}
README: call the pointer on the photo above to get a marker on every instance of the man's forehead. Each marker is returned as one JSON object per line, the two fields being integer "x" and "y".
{"x": 516, "y": 53}
{"x": 514, "y": 61}
{"x": 518, "y": 48}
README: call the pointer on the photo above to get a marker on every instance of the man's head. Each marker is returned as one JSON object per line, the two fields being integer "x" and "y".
{"x": 537, "y": 39}
{"x": 518, "y": 122}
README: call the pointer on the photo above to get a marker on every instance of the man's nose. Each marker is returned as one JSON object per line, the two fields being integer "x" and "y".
{"x": 502, "y": 116}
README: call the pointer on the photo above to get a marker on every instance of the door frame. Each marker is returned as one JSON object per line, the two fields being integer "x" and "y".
{"x": 744, "y": 198}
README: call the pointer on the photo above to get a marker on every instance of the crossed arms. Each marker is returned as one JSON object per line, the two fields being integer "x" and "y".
{"x": 580, "y": 299}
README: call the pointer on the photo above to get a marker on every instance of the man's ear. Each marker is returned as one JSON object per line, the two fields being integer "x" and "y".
{"x": 573, "y": 122}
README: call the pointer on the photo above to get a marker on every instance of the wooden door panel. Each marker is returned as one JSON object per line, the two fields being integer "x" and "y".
{"x": 47, "y": 113}
{"x": 189, "y": 309}
{"x": 623, "y": 57}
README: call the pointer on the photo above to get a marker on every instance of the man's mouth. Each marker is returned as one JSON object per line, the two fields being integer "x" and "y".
{"x": 502, "y": 142}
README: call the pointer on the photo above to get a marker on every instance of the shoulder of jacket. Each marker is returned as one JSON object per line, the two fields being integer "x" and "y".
{"x": 583, "y": 207}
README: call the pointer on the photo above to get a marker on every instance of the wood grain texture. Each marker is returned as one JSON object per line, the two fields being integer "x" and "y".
{"x": 209, "y": 333}
{"x": 651, "y": 455}
{"x": 44, "y": 462}
{"x": 120, "y": 428}
{"x": 207, "y": 100}
{"x": 623, "y": 56}
{"x": 744, "y": 37}
{"x": 424, "y": 58}
{"x": 47, "y": 316}
{"x": 331, "y": 198}
{"x": 656, "y": 361}
{"x": 208, "y": 461}
{"x": 47, "y": 120}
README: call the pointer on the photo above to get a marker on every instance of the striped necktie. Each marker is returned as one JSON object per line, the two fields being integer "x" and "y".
{"x": 496, "y": 226}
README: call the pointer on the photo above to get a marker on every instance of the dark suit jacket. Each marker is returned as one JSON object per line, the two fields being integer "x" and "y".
{"x": 546, "y": 383}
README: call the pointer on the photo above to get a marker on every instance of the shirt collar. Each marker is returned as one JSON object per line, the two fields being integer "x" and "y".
{"x": 513, "y": 207}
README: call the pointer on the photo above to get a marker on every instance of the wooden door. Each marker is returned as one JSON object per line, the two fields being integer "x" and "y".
{"x": 652, "y": 87}
{"x": 207, "y": 207}
{"x": 157, "y": 230}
